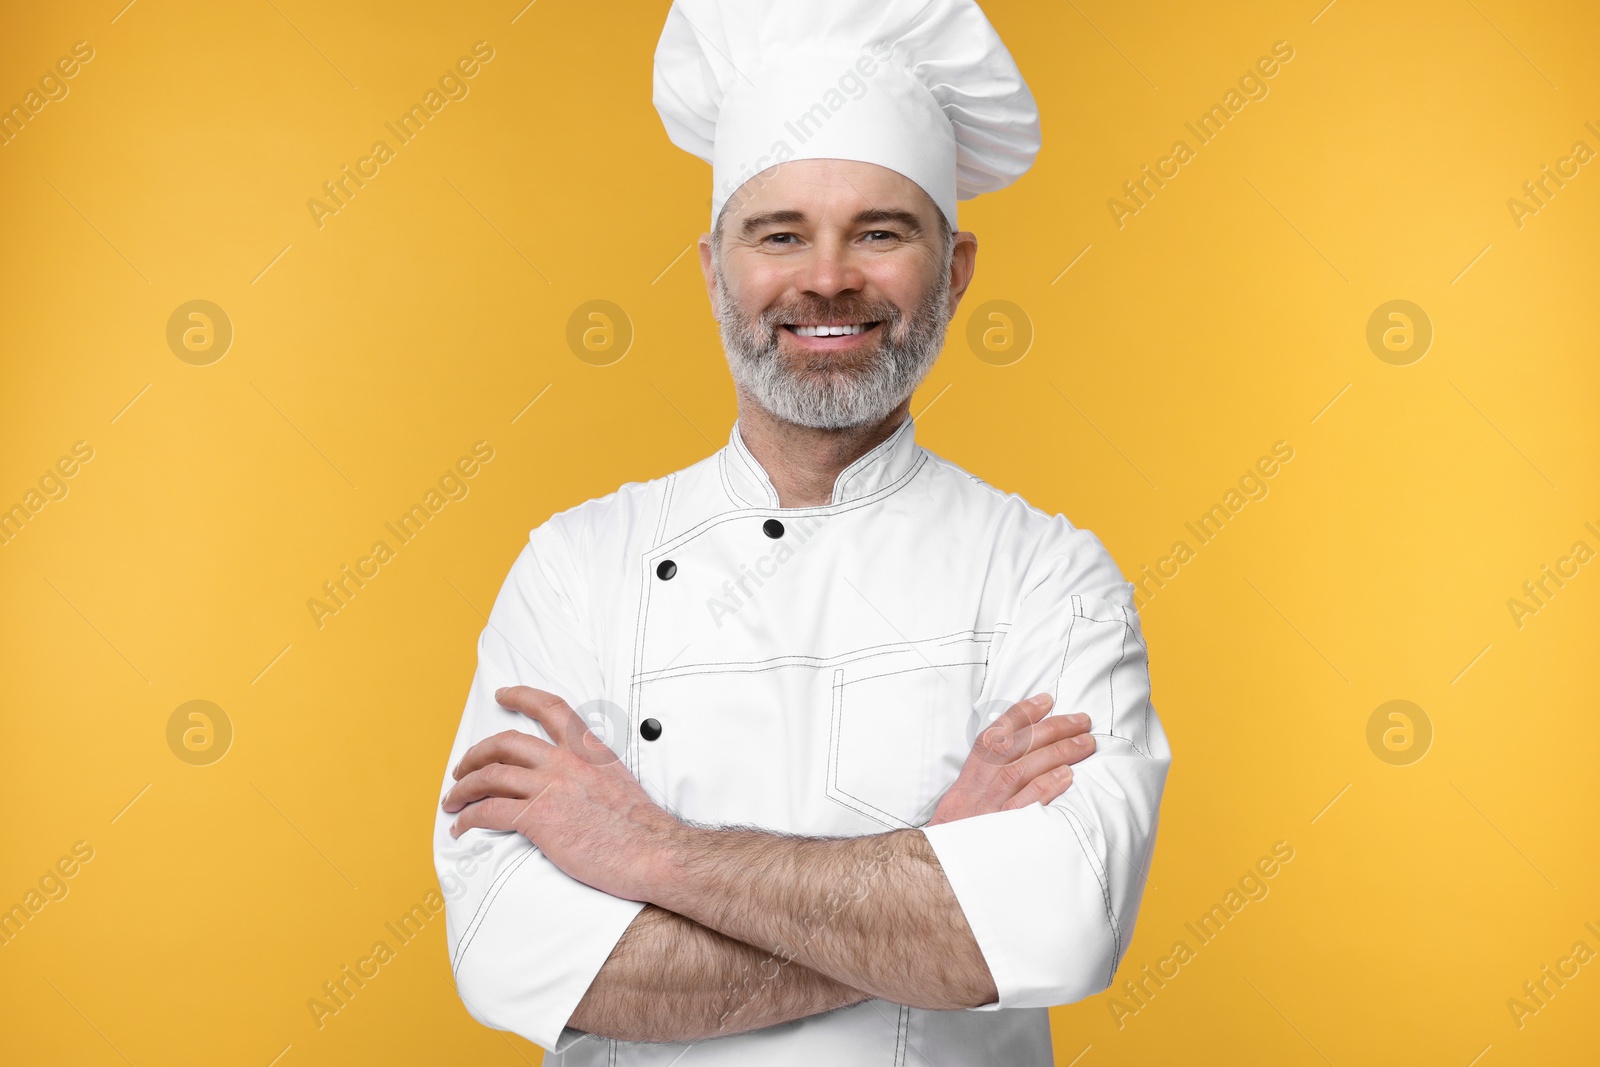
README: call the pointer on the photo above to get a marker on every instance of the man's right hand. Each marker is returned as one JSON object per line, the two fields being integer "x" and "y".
{"x": 1025, "y": 756}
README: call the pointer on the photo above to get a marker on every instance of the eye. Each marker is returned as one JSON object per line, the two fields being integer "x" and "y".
{"x": 772, "y": 236}
{"x": 890, "y": 234}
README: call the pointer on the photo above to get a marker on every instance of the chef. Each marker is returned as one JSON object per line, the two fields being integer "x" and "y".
{"x": 822, "y": 749}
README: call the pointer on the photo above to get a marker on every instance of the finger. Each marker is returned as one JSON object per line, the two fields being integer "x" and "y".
{"x": 495, "y": 813}
{"x": 495, "y": 780}
{"x": 548, "y": 710}
{"x": 1041, "y": 790}
{"x": 1053, "y": 728}
{"x": 507, "y": 746}
{"x": 1010, "y": 735}
{"x": 1004, "y": 748}
{"x": 1025, "y": 712}
{"x": 1063, "y": 753}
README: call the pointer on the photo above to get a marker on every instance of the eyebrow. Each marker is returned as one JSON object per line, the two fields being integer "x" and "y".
{"x": 790, "y": 217}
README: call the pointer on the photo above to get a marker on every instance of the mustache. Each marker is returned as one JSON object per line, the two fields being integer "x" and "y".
{"x": 834, "y": 312}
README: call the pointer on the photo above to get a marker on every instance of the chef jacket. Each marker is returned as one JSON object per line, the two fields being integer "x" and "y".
{"x": 821, "y": 671}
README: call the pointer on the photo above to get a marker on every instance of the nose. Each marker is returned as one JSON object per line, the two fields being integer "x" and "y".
{"x": 830, "y": 269}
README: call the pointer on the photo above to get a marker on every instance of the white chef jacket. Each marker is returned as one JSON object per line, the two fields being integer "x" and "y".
{"x": 822, "y": 675}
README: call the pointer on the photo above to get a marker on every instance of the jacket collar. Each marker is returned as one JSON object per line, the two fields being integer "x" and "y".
{"x": 884, "y": 464}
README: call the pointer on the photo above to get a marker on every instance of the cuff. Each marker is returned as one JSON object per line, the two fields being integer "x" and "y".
{"x": 568, "y": 1038}
{"x": 1036, "y": 901}
{"x": 534, "y": 949}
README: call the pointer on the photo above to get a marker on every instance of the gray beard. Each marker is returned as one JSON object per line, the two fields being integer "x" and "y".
{"x": 834, "y": 391}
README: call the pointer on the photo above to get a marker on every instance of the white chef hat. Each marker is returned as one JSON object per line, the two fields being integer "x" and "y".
{"x": 922, "y": 87}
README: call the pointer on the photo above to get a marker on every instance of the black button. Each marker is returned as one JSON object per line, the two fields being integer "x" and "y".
{"x": 666, "y": 569}
{"x": 649, "y": 729}
{"x": 772, "y": 528}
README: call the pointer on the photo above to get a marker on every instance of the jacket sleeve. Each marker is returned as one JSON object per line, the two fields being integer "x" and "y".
{"x": 525, "y": 939}
{"x": 1051, "y": 891}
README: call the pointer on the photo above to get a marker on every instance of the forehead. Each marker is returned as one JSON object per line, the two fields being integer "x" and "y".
{"x": 830, "y": 191}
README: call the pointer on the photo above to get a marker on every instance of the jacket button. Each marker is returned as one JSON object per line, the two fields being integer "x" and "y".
{"x": 666, "y": 569}
{"x": 772, "y": 528}
{"x": 650, "y": 729}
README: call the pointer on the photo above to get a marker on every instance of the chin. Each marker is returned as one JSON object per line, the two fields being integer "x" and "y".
{"x": 831, "y": 417}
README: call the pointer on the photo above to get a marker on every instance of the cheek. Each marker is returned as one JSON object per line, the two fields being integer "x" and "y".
{"x": 758, "y": 289}
{"x": 905, "y": 285}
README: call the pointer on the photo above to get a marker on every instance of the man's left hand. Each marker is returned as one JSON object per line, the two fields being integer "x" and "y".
{"x": 574, "y": 799}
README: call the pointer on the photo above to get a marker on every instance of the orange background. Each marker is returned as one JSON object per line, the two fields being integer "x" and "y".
{"x": 1230, "y": 312}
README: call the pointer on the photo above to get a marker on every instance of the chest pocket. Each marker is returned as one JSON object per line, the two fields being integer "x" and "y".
{"x": 903, "y": 721}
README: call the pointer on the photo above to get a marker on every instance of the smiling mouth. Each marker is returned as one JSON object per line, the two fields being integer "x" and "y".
{"x": 820, "y": 330}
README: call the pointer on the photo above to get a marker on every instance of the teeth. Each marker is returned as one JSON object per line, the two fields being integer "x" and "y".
{"x": 828, "y": 331}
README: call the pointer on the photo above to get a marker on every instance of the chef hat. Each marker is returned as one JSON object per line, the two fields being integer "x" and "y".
{"x": 922, "y": 87}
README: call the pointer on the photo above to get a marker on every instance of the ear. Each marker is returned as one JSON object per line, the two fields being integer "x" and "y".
{"x": 707, "y": 273}
{"x": 963, "y": 264}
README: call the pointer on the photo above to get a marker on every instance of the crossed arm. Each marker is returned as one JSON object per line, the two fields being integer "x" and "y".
{"x": 846, "y": 920}
{"x": 671, "y": 979}
{"x": 745, "y": 929}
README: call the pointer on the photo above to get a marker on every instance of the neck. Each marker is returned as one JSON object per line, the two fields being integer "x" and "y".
{"x": 803, "y": 463}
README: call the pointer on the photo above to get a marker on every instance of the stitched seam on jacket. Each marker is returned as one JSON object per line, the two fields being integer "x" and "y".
{"x": 483, "y": 907}
{"x": 798, "y": 513}
{"x": 800, "y": 659}
{"x": 831, "y": 785}
{"x": 1105, "y": 890}
{"x": 1072, "y": 817}
{"x": 859, "y": 466}
{"x": 741, "y": 455}
{"x": 1066, "y": 651}
{"x": 1079, "y": 612}
{"x": 727, "y": 485}
{"x": 1148, "y": 688}
{"x": 1111, "y": 684}
{"x": 666, "y": 505}
{"x": 631, "y": 749}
